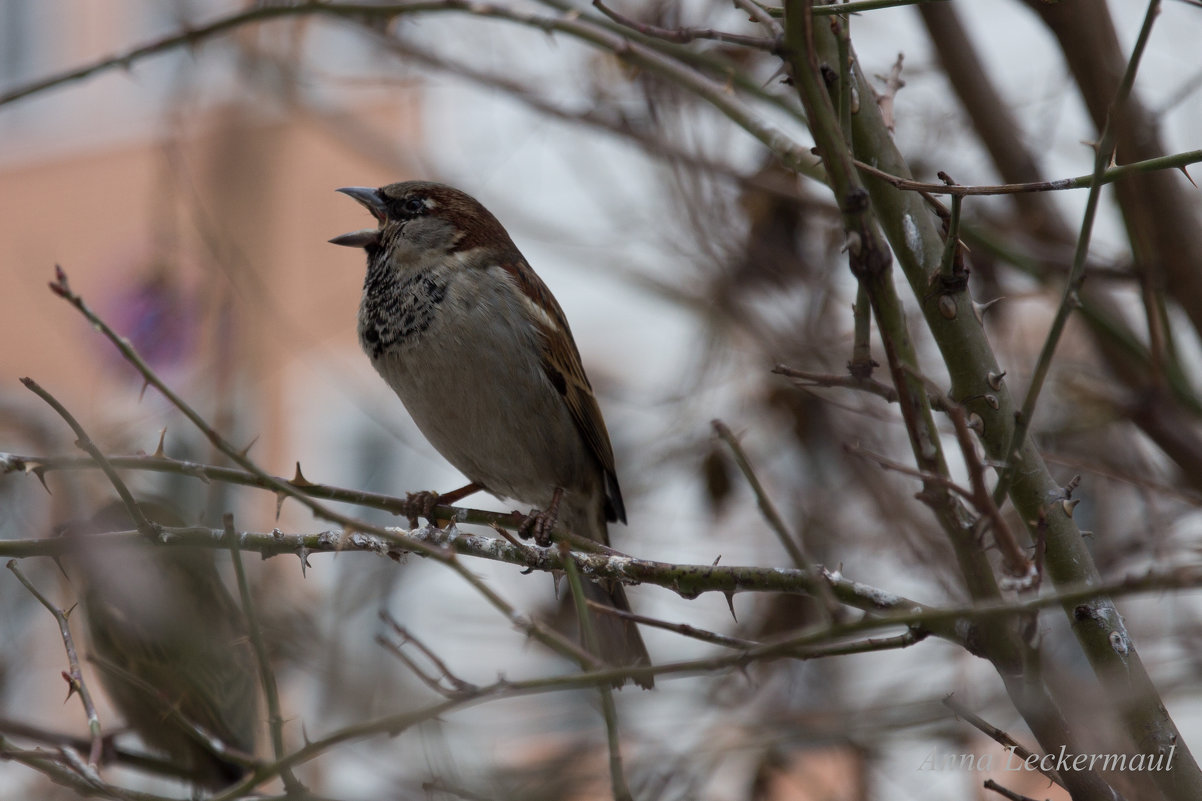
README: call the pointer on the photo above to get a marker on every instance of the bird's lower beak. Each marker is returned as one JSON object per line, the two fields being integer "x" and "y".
{"x": 371, "y": 200}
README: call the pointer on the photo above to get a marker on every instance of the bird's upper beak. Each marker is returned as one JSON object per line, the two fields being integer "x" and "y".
{"x": 371, "y": 200}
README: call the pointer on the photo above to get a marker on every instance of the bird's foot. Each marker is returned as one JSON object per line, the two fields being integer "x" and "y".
{"x": 539, "y": 524}
{"x": 421, "y": 504}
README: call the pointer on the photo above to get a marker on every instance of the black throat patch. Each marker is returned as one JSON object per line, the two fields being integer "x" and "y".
{"x": 396, "y": 308}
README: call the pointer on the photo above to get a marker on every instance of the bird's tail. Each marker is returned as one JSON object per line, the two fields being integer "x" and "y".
{"x": 618, "y": 641}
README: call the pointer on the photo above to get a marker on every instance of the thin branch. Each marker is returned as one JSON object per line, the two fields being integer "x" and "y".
{"x": 791, "y": 543}
{"x": 51, "y": 764}
{"x": 685, "y": 35}
{"x": 678, "y": 64}
{"x": 74, "y": 676}
{"x": 870, "y": 385}
{"x": 458, "y": 685}
{"x": 1004, "y": 792}
{"x": 1104, "y": 153}
{"x": 275, "y": 718}
{"x": 853, "y": 7}
{"x": 609, "y": 712}
{"x": 1108, "y": 175}
{"x": 160, "y": 463}
{"x": 998, "y": 735}
{"x": 194, "y": 37}
{"x": 683, "y": 629}
{"x": 757, "y": 13}
{"x": 927, "y": 477}
{"x": 85, "y": 443}
{"x": 1015, "y": 560}
{"x": 594, "y": 117}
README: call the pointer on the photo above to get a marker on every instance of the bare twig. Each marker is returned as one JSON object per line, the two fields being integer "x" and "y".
{"x": 1104, "y": 153}
{"x": 73, "y": 676}
{"x": 85, "y": 443}
{"x": 609, "y": 712}
{"x": 458, "y": 685}
{"x": 275, "y": 718}
{"x": 791, "y": 543}
{"x": 811, "y": 379}
{"x": 62, "y": 767}
{"x": 1004, "y": 792}
{"x": 1175, "y": 161}
{"x": 683, "y": 629}
{"x": 998, "y": 735}
{"x": 937, "y": 479}
{"x": 1015, "y": 560}
{"x": 685, "y": 35}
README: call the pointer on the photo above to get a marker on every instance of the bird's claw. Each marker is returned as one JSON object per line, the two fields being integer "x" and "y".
{"x": 420, "y": 504}
{"x": 540, "y": 524}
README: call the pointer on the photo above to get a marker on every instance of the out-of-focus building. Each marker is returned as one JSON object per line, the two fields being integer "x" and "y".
{"x": 189, "y": 198}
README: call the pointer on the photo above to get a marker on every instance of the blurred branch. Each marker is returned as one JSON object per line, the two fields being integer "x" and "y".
{"x": 685, "y": 35}
{"x": 187, "y": 38}
{"x": 275, "y": 718}
{"x": 672, "y": 62}
{"x": 1104, "y": 153}
{"x": 788, "y": 540}
{"x": 609, "y": 712}
{"x": 74, "y": 676}
{"x": 1160, "y": 213}
{"x": 54, "y": 767}
{"x": 458, "y": 685}
{"x": 85, "y": 443}
{"x": 812, "y": 379}
{"x": 1108, "y": 175}
{"x": 1009, "y": 795}
{"x": 852, "y": 7}
{"x": 683, "y": 629}
{"x": 996, "y": 734}
{"x": 593, "y": 116}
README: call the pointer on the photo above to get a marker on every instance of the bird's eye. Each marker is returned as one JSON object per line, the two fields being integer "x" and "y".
{"x": 413, "y": 205}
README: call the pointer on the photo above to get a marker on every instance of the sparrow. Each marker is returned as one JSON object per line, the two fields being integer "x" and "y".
{"x": 169, "y": 645}
{"x": 458, "y": 324}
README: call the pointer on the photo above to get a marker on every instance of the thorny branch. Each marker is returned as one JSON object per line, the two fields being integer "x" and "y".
{"x": 74, "y": 676}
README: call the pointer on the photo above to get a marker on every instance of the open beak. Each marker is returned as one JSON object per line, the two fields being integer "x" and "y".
{"x": 371, "y": 200}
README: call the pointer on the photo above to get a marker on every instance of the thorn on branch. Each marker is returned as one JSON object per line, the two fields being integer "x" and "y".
{"x": 299, "y": 480}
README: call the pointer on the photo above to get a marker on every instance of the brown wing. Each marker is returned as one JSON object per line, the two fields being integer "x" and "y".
{"x": 561, "y": 361}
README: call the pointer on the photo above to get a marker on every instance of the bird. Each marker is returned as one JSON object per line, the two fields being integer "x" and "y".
{"x": 169, "y": 645}
{"x": 458, "y": 324}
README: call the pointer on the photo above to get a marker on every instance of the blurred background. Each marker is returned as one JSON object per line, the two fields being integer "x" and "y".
{"x": 189, "y": 198}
